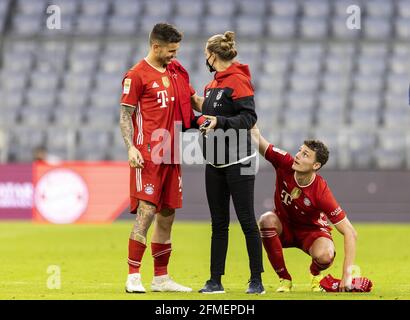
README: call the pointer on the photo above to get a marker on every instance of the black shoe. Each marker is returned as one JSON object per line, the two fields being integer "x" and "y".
{"x": 212, "y": 286}
{"x": 255, "y": 287}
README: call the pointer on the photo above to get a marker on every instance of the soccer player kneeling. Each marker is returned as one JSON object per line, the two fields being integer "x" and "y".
{"x": 304, "y": 204}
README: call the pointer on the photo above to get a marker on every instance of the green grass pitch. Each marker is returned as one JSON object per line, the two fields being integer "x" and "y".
{"x": 92, "y": 260}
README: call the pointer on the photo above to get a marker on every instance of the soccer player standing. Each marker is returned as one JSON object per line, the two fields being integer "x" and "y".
{"x": 303, "y": 204}
{"x": 155, "y": 90}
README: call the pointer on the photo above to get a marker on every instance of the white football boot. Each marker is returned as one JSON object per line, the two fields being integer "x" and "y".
{"x": 133, "y": 284}
{"x": 166, "y": 284}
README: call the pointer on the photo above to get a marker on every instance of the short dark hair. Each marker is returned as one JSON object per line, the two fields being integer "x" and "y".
{"x": 166, "y": 33}
{"x": 322, "y": 152}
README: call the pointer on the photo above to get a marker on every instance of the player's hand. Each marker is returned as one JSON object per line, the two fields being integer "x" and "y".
{"x": 345, "y": 283}
{"x": 211, "y": 126}
{"x": 135, "y": 158}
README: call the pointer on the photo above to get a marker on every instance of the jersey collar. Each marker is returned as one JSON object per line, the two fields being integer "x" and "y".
{"x": 296, "y": 180}
{"x": 145, "y": 59}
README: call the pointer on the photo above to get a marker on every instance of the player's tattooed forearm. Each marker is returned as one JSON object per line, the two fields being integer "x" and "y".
{"x": 145, "y": 216}
{"x": 126, "y": 126}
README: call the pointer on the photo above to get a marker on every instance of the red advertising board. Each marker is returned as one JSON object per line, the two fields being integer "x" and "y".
{"x": 80, "y": 192}
{"x": 16, "y": 191}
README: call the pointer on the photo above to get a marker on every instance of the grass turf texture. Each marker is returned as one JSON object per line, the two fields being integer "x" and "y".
{"x": 93, "y": 264}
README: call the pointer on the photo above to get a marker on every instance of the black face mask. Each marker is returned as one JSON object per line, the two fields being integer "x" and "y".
{"x": 209, "y": 66}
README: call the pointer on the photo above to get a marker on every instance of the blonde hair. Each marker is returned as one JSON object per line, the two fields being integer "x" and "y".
{"x": 223, "y": 45}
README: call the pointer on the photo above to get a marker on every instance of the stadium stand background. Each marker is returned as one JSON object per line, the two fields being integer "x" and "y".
{"x": 313, "y": 76}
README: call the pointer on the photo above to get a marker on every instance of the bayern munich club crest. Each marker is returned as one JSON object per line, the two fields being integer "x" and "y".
{"x": 307, "y": 202}
{"x": 149, "y": 189}
{"x": 61, "y": 196}
{"x": 219, "y": 95}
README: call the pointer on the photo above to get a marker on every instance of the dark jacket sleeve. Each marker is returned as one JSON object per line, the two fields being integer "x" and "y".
{"x": 194, "y": 124}
{"x": 246, "y": 118}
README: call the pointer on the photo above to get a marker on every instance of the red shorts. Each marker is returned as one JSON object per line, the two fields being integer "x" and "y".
{"x": 292, "y": 237}
{"x": 160, "y": 184}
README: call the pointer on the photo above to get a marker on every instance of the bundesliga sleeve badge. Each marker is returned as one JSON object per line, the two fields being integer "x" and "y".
{"x": 127, "y": 86}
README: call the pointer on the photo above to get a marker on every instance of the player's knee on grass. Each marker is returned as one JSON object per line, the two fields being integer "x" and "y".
{"x": 270, "y": 220}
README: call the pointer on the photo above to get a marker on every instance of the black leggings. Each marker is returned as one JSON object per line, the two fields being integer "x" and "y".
{"x": 221, "y": 183}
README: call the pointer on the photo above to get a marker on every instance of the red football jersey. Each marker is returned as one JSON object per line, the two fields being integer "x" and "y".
{"x": 305, "y": 207}
{"x": 152, "y": 94}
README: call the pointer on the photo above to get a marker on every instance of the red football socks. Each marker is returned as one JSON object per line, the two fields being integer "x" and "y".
{"x": 316, "y": 267}
{"x": 273, "y": 247}
{"x": 161, "y": 253}
{"x": 136, "y": 250}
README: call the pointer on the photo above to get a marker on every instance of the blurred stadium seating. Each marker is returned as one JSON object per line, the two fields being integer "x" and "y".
{"x": 313, "y": 76}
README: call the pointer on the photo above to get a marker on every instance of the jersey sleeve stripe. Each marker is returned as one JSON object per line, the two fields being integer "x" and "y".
{"x": 264, "y": 154}
{"x": 339, "y": 221}
{"x": 128, "y": 105}
{"x": 140, "y": 137}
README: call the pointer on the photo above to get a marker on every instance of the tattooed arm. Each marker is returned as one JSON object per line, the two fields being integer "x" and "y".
{"x": 127, "y": 129}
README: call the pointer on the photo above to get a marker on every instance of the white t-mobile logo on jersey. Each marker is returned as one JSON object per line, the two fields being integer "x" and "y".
{"x": 286, "y": 197}
{"x": 163, "y": 98}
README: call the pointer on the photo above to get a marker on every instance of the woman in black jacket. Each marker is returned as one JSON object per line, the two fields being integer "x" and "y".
{"x": 230, "y": 108}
